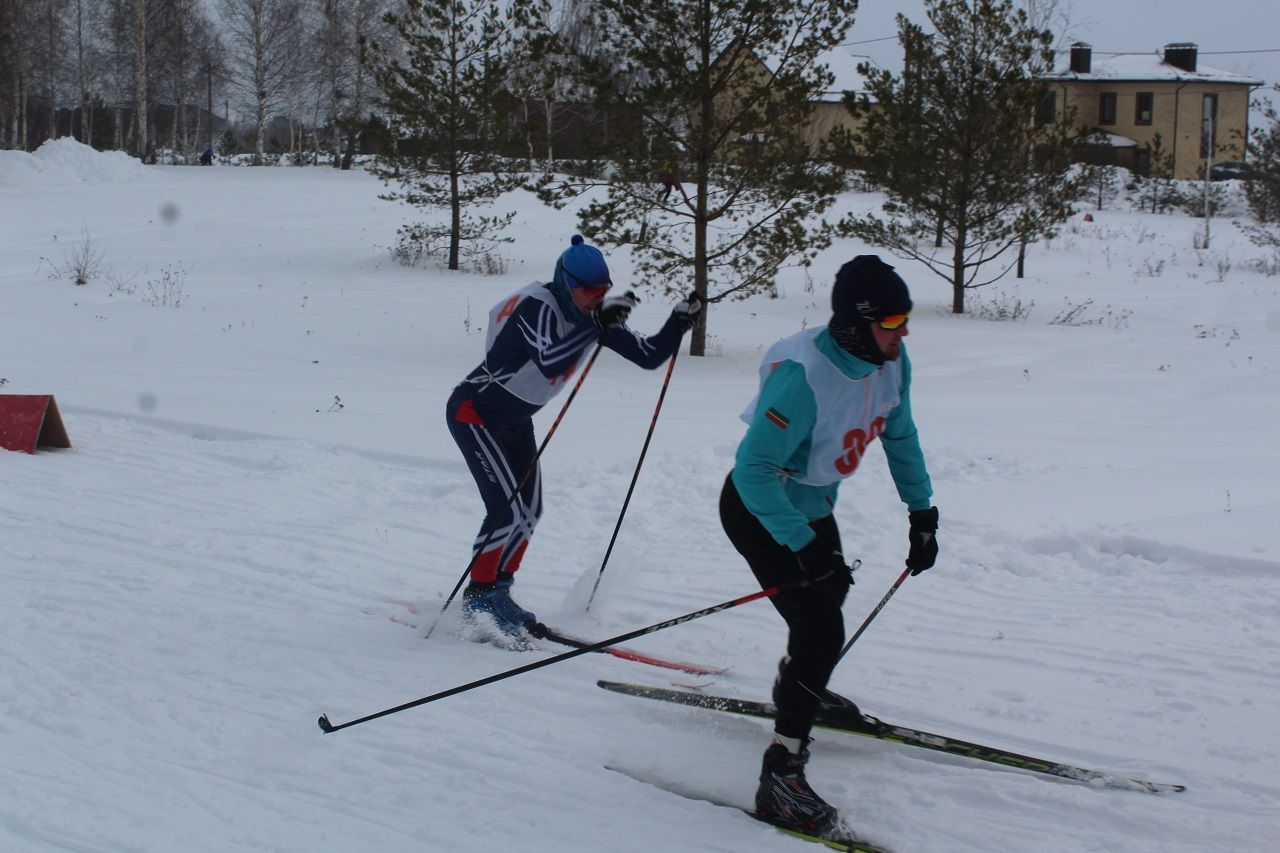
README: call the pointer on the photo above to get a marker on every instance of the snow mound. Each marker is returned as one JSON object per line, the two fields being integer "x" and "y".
{"x": 66, "y": 161}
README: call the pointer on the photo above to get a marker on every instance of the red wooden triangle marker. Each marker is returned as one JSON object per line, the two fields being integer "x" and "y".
{"x": 28, "y": 421}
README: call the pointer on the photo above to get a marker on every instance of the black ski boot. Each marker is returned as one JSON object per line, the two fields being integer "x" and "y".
{"x": 829, "y": 703}
{"x": 785, "y": 799}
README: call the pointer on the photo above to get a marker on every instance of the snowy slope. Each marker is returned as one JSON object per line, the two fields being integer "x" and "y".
{"x": 261, "y": 474}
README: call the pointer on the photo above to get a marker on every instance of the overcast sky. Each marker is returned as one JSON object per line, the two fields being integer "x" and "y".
{"x": 1128, "y": 26}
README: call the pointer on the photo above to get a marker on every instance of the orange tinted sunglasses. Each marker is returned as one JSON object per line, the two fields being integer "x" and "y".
{"x": 597, "y": 290}
{"x": 893, "y": 322}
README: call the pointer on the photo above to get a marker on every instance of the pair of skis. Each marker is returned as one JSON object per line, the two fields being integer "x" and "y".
{"x": 838, "y": 718}
{"x": 850, "y": 721}
{"x": 843, "y": 719}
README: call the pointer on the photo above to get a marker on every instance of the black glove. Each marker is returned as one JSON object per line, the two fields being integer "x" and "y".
{"x": 615, "y": 310}
{"x": 923, "y": 538}
{"x": 686, "y": 311}
{"x": 822, "y": 561}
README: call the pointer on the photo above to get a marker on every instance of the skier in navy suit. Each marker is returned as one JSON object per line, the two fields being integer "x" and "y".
{"x": 535, "y": 340}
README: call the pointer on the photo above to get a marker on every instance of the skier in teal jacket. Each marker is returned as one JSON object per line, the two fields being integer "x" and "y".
{"x": 825, "y": 396}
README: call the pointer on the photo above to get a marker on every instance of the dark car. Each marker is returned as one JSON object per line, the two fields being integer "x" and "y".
{"x": 1230, "y": 170}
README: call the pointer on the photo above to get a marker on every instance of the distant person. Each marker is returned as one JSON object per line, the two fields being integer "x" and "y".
{"x": 534, "y": 342}
{"x": 825, "y": 395}
{"x": 668, "y": 179}
{"x": 670, "y": 182}
{"x": 206, "y": 157}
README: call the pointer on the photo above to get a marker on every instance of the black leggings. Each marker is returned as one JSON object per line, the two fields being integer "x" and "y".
{"x": 812, "y": 613}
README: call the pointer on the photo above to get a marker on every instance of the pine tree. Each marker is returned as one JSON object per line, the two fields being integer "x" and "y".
{"x": 713, "y": 180}
{"x": 443, "y": 92}
{"x": 1161, "y": 192}
{"x": 1262, "y": 190}
{"x": 1099, "y": 184}
{"x": 954, "y": 143}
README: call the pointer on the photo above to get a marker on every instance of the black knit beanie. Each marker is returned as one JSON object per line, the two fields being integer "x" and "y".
{"x": 866, "y": 289}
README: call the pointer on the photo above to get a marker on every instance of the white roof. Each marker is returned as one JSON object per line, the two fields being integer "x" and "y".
{"x": 1142, "y": 66}
{"x": 1107, "y": 139}
{"x": 842, "y": 64}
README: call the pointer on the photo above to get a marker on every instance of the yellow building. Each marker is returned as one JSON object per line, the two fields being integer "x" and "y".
{"x": 829, "y": 110}
{"x": 1122, "y": 101}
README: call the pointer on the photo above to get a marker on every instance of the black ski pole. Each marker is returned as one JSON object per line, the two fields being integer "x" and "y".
{"x": 626, "y": 501}
{"x": 515, "y": 494}
{"x": 327, "y": 726}
{"x": 874, "y": 613}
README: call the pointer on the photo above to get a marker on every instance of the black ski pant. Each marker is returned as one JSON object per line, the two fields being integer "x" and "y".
{"x": 812, "y": 613}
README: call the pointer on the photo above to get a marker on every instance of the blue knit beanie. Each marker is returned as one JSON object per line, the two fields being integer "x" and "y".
{"x": 581, "y": 265}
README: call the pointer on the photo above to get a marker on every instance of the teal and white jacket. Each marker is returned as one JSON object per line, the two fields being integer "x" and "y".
{"x": 818, "y": 410}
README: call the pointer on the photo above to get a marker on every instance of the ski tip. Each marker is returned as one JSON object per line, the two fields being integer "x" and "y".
{"x": 1159, "y": 787}
{"x": 325, "y": 725}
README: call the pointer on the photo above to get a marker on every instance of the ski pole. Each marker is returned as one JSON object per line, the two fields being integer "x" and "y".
{"x": 888, "y": 595}
{"x": 515, "y": 494}
{"x": 328, "y": 727}
{"x": 626, "y": 501}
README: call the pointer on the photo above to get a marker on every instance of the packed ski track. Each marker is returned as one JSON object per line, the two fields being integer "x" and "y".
{"x": 262, "y": 495}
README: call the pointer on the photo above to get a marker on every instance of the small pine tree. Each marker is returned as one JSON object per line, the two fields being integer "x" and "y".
{"x": 713, "y": 180}
{"x": 1099, "y": 184}
{"x": 1262, "y": 190}
{"x": 954, "y": 144}
{"x": 444, "y": 90}
{"x": 1160, "y": 190}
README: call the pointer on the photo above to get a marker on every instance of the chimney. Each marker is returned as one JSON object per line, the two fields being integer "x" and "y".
{"x": 1181, "y": 55}
{"x": 1081, "y": 58}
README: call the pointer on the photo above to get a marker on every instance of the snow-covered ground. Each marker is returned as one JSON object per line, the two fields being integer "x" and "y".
{"x": 261, "y": 471}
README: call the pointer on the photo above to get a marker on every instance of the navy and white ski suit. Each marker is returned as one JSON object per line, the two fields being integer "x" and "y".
{"x": 535, "y": 340}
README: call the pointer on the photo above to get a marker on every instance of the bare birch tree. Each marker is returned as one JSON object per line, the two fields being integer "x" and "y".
{"x": 16, "y": 39}
{"x": 342, "y": 81}
{"x": 264, "y": 45}
{"x": 141, "y": 104}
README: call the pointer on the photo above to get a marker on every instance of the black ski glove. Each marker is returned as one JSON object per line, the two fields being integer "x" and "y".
{"x": 923, "y": 538}
{"x": 686, "y": 311}
{"x": 615, "y": 310}
{"x": 822, "y": 562}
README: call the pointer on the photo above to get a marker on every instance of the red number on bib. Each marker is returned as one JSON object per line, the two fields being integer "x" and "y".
{"x": 855, "y": 444}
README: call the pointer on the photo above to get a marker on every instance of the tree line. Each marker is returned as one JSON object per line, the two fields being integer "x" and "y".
{"x": 147, "y": 75}
{"x": 711, "y": 166}
{"x": 683, "y": 131}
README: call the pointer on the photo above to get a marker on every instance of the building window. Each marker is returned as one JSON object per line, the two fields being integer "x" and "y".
{"x": 1107, "y": 108}
{"x": 1208, "y": 125}
{"x": 1144, "y": 108}
{"x": 1047, "y": 109}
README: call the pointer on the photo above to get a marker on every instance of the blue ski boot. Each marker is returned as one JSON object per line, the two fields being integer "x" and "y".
{"x": 494, "y": 600}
